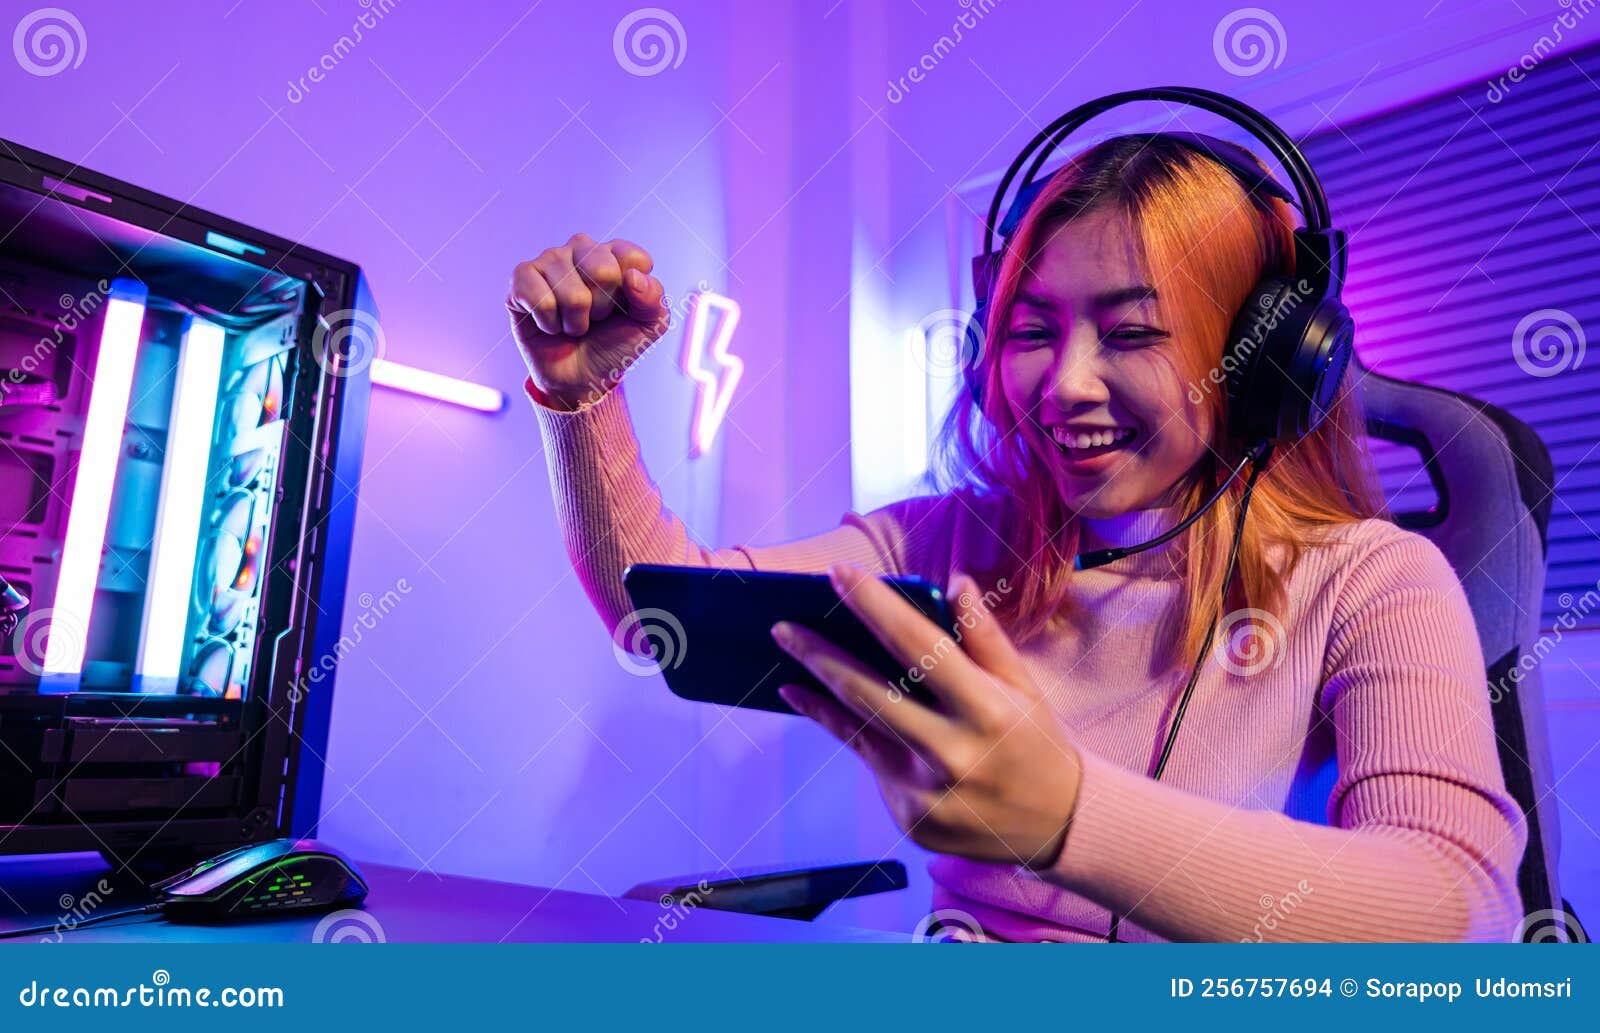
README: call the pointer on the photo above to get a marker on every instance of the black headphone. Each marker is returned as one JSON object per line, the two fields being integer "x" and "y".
{"x": 1292, "y": 340}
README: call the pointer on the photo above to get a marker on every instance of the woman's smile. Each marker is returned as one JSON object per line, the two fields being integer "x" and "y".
{"x": 1093, "y": 454}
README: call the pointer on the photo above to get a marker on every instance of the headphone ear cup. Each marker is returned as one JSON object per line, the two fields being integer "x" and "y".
{"x": 973, "y": 348}
{"x": 1254, "y": 397}
{"x": 984, "y": 268}
{"x": 1328, "y": 347}
{"x": 1285, "y": 357}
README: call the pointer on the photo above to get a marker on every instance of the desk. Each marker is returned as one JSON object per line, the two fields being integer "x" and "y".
{"x": 404, "y": 906}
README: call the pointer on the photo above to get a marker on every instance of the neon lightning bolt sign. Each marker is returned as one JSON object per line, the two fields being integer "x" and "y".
{"x": 715, "y": 386}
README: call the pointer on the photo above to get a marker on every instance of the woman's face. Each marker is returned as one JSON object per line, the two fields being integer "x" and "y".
{"x": 1090, "y": 367}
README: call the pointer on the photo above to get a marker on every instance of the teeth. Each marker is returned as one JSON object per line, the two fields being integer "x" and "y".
{"x": 1091, "y": 439}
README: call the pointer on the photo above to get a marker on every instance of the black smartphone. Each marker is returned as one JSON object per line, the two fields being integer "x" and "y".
{"x": 708, "y": 630}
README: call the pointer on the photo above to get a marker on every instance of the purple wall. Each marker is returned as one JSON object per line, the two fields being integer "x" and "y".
{"x": 774, "y": 165}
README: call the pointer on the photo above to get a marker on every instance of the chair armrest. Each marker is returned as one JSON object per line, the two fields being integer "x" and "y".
{"x": 800, "y": 893}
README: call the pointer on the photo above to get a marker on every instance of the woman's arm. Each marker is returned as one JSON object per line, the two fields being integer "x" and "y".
{"x": 1425, "y": 840}
{"x": 611, "y": 514}
{"x": 582, "y": 314}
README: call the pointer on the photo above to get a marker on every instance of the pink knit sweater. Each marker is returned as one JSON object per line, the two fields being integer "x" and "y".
{"x": 1344, "y": 787}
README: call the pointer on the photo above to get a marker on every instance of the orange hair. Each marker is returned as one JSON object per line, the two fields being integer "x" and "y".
{"x": 1205, "y": 242}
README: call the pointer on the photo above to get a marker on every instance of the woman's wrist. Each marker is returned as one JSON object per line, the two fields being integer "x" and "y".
{"x": 1051, "y": 855}
{"x": 571, "y": 400}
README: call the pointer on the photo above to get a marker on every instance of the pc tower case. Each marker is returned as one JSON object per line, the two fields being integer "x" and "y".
{"x": 182, "y": 407}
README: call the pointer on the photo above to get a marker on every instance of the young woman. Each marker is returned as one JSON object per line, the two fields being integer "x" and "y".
{"x": 1336, "y": 775}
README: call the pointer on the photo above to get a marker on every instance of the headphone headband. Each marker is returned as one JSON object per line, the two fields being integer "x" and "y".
{"x": 1313, "y": 202}
{"x": 1292, "y": 338}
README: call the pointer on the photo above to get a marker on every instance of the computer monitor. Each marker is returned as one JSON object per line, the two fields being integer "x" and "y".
{"x": 182, "y": 406}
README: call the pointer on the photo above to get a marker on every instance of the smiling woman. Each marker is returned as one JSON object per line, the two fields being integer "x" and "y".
{"x": 1337, "y": 745}
{"x": 1111, "y": 309}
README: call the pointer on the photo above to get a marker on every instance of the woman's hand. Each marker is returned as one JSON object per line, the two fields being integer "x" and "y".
{"x": 991, "y": 774}
{"x": 582, "y": 313}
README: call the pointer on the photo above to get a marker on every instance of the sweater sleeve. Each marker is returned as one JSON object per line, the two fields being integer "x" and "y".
{"x": 611, "y": 514}
{"x": 1424, "y": 840}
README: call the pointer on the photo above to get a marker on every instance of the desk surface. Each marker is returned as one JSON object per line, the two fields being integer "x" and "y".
{"x": 403, "y": 906}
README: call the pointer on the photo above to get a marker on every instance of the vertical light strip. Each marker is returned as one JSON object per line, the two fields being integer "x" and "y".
{"x": 914, "y": 432}
{"x": 178, "y": 516}
{"x": 889, "y": 387}
{"x": 91, "y": 489}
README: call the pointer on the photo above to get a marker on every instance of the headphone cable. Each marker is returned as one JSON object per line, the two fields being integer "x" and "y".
{"x": 1258, "y": 456}
{"x": 1100, "y": 557}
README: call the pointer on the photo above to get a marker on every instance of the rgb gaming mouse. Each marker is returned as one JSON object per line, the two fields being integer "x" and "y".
{"x": 276, "y": 877}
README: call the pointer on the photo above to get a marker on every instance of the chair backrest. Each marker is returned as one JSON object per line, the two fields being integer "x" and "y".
{"x": 1494, "y": 483}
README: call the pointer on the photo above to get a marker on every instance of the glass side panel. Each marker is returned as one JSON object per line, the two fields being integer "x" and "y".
{"x": 141, "y": 438}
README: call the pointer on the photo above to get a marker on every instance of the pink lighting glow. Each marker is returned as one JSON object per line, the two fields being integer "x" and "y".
{"x": 715, "y": 386}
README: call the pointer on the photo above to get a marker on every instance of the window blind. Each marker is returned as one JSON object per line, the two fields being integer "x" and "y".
{"x": 1475, "y": 266}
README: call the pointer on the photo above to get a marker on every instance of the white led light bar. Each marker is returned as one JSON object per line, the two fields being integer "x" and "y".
{"x": 103, "y": 429}
{"x": 182, "y": 507}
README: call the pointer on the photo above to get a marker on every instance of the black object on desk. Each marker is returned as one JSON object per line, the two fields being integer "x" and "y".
{"x": 798, "y": 893}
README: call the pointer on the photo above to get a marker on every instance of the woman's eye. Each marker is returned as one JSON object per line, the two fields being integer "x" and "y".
{"x": 1028, "y": 335}
{"x": 1136, "y": 335}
